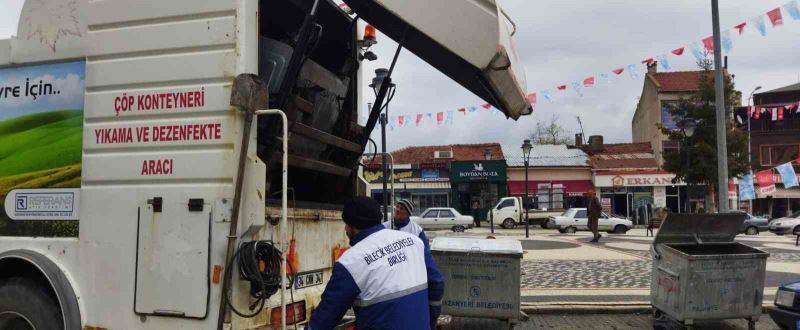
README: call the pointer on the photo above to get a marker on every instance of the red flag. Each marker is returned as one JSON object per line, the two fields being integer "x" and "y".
{"x": 780, "y": 113}
{"x": 464, "y": 110}
{"x": 419, "y": 118}
{"x": 648, "y": 61}
{"x": 793, "y": 106}
{"x": 618, "y": 71}
{"x": 401, "y": 120}
{"x": 532, "y": 98}
{"x": 439, "y": 118}
{"x": 709, "y": 44}
{"x": 588, "y": 82}
{"x": 678, "y": 51}
{"x": 757, "y": 114}
{"x": 740, "y": 27}
{"x": 775, "y": 16}
{"x": 766, "y": 183}
{"x": 562, "y": 87}
{"x": 487, "y": 106}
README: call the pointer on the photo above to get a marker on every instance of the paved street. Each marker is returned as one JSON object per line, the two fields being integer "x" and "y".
{"x": 566, "y": 269}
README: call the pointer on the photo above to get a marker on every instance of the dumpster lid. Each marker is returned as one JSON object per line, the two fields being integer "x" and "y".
{"x": 699, "y": 228}
{"x": 469, "y": 41}
{"x": 476, "y": 245}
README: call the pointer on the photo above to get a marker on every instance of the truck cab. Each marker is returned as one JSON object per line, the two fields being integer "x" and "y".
{"x": 510, "y": 211}
{"x": 125, "y": 150}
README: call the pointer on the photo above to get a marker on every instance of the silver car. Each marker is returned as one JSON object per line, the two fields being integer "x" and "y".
{"x": 786, "y": 225}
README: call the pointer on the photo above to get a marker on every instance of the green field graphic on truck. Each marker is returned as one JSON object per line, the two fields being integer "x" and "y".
{"x": 41, "y": 124}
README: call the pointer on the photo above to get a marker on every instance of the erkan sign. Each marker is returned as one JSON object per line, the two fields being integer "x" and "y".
{"x": 635, "y": 180}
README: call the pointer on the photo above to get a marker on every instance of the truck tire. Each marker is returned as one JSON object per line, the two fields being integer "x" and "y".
{"x": 25, "y": 304}
{"x": 509, "y": 223}
{"x": 620, "y": 229}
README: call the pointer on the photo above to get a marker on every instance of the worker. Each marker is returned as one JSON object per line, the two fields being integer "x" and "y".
{"x": 402, "y": 220}
{"x": 385, "y": 276}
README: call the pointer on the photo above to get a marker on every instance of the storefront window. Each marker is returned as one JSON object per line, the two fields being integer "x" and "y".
{"x": 775, "y": 155}
{"x": 550, "y": 196}
{"x": 423, "y": 202}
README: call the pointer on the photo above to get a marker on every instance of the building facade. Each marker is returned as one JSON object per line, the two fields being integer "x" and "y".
{"x": 660, "y": 90}
{"x": 558, "y": 177}
{"x": 468, "y": 177}
{"x": 775, "y": 140}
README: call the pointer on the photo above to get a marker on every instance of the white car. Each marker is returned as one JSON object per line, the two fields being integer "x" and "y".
{"x": 575, "y": 219}
{"x": 443, "y": 218}
{"x": 786, "y": 225}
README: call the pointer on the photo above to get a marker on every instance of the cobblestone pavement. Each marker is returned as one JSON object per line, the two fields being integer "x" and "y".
{"x": 596, "y": 322}
{"x": 586, "y": 274}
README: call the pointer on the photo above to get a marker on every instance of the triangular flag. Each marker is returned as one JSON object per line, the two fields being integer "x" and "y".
{"x": 439, "y": 118}
{"x": 578, "y": 87}
{"x": 486, "y": 106}
{"x": 634, "y": 73}
{"x": 697, "y": 51}
{"x": 761, "y": 25}
{"x": 757, "y": 113}
{"x": 604, "y": 78}
{"x": 793, "y": 106}
{"x": 780, "y": 112}
{"x": 679, "y": 51}
{"x": 708, "y": 43}
{"x": 588, "y": 82}
{"x": 401, "y": 121}
{"x": 449, "y": 119}
{"x": 775, "y": 17}
{"x": 546, "y": 94}
{"x": 391, "y": 123}
{"x": 727, "y": 41}
{"x": 464, "y": 110}
{"x": 788, "y": 176}
{"x": 793, "y": 9}
{"x": 419, "y": 118}
{"x": 430, "y": 115}
{"x": 619, "y": 71}
{"x": 473, "y": 109}
{"x": 562, "y": 87}
{"x": 740, "y": 27}
{"x": 532, "y": 98}
{"x": 648, "y": 61}
{"x": 664, "y": 62}
{"x": 774, "y": 112}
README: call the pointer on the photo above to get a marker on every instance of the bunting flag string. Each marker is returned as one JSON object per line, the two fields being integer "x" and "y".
{"x": 699, "y": 49}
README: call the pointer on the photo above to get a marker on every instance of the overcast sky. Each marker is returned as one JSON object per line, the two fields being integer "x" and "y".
{"x": 561, "y": 41}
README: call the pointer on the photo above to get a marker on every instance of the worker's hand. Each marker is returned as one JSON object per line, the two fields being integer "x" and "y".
{"x": 435, "y": 311}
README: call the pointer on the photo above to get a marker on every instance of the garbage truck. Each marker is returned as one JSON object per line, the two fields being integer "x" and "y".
{"x": 177, "y": 164}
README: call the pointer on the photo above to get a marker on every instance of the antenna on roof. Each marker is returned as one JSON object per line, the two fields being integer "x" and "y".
{"x": 583, "y": 135}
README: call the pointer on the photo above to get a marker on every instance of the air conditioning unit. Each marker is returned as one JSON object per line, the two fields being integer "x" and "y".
{"x": 443, "y": 154}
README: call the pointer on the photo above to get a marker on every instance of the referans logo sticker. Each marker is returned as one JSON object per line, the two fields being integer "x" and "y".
{"x": 43, "y": 204}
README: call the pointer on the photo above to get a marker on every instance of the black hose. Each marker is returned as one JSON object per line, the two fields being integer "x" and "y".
{"x": 259, "y": 262}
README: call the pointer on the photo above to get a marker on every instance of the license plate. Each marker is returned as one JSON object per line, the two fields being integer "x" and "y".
{"x": 308, "y": 279}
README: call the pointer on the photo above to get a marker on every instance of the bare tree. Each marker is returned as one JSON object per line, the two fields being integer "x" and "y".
{"x": 550, "y": 133}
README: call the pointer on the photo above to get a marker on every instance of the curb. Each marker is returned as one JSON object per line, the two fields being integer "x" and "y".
{"x": 599, "y": 308}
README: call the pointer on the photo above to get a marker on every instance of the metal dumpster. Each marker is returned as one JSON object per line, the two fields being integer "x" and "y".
{"x": 700, "y": 273}
{"x": 482, "y": 277}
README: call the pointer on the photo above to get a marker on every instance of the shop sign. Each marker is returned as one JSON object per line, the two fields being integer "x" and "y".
{"x": 490, "y": 170}
{"x": 407, "y": 176}
{"x": 634, "y": 180}
{"x": 660, "y": 196}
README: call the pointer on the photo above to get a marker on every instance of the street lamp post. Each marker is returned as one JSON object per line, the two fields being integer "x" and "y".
{"x": 750, "y": 151}
{"x": 722, "y": 139}
{"x": 526, "y": 153}
{"x": 381, "y": 76}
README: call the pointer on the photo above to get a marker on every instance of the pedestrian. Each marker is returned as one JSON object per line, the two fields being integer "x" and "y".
{"x": 386, "y": 276}
{"x": 595, "y": 211}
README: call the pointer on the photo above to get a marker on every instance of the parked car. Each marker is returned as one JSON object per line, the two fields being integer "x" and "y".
{"x": 786, "y": 225}
{"x": 575, "y": 219}
{"x": 753, "y": 225}
{"x": 786, "y": 313}
{"x": 444, "y": 218}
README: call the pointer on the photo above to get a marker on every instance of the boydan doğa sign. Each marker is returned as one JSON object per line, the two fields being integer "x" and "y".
{"x": 487, "y": 170}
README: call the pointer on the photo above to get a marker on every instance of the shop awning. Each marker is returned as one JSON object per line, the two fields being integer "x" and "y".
{"x": 787, "y": 193}
{"x": 469, "y": 41}
{"x": 571, "y": 188}
{"x": 418, "y": 186}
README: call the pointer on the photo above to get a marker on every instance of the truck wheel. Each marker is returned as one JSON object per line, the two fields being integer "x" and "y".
{"x": 509, "y": 223}
{"x": 570, "y": 230}
{"x": 620, "y": 229}
{"x": 751, "y": 231}
{"x": 24, "y": 304}
{"x": 458, "y": 229}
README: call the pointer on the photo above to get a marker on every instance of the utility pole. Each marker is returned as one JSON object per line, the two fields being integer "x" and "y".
{"x": 719, "y": 89}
